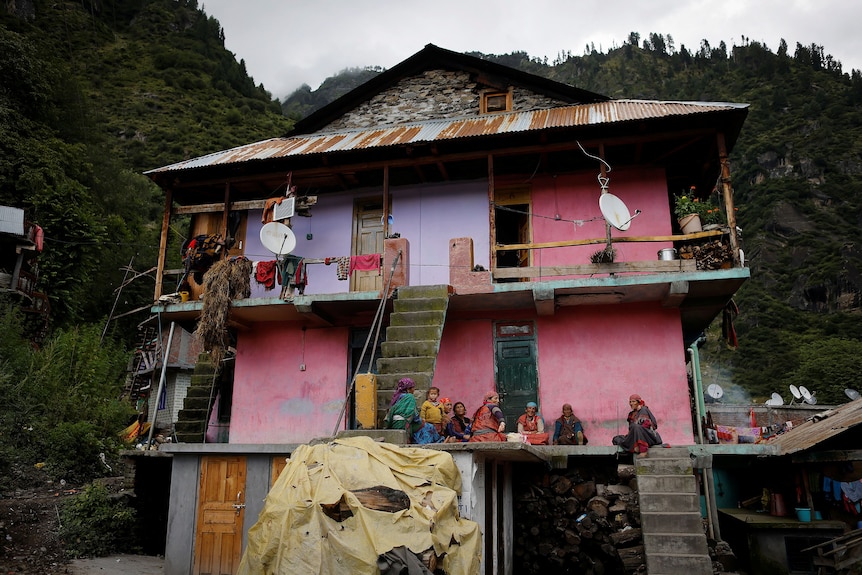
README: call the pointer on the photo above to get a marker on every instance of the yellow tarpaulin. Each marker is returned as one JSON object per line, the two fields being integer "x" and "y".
{"x": 294, "y": 534}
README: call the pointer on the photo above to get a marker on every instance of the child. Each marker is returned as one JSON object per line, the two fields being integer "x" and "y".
{"x": 431, "y": 411}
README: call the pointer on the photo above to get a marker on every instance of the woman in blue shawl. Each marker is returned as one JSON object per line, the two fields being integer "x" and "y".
{"x": 402, "y": 409}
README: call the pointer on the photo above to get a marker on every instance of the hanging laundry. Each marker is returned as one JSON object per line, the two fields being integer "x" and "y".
{"x": 343, "y": 270}
{"x": 366, "y": 262}
{"x": 265, "y": 273}
{"x": 268, "y": 209}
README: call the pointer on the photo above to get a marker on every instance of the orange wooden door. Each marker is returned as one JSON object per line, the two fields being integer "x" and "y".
{"x": 367, "y": 239}
{"x": 278, "y": 464}
{"x": 221, "y": 510}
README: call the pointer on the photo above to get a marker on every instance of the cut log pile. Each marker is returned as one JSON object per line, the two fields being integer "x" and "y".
{"x": 711, "y": 255}
{"x": 578, "y": 520}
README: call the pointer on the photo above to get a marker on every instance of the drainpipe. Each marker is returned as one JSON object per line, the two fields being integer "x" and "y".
{"x": 699, "y": 406}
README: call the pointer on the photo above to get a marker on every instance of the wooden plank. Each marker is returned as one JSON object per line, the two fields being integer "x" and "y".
{"x": 658, "y": 266}
{"x": 590, "y": 241}
{"x": 219, "y": 207}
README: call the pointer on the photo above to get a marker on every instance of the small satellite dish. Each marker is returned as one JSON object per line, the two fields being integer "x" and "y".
{"x": 851, "y": 393}
{"x": 714, "y": 390}
{"x": 804, "y": 392}
{"x": 775, "y": 400}
{"x": 796, "y": 394}
{"x": 615, "y": 211}
{"x": 277, "y": 238}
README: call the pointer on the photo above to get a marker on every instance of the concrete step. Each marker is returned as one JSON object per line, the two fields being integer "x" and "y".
{"x": 396, "y": 333}
{"x": 409, "y": 348}
{"x": 424, "y": 317}
{"x": 678, "y": 502}
{"x": 674, "y": 564}
{"x": 190, "y": 437}
{"x": 201, "y": 403}
{"x": 660, "y": 452}
{"x": 663, "y": 466}
{"x": 667, "y": 484}
{"x": 387, "y": 382}
{"x": 406, "y": 365}
{"x": 419, "y": 304}
{"x": 190, "y": 426}
{"x": 671, "y": 522}
{"x": 684, "y": 543}
{"x": 435, "y": 291}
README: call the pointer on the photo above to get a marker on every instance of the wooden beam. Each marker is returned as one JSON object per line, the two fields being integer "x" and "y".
{"x": 727, "y": 195}
{"x": 657, "y": 266}
{"x": 569, "y": 243}
{"x": 163, "y": 243}
{"x": 492, "y": 217}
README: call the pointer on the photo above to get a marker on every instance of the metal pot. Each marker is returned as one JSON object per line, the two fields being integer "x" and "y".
{"x": 667, "y": 254}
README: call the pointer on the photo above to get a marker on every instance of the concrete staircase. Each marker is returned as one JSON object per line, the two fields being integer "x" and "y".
{"x": 412, "y": 340}
{"x": 674, "y": 540}
{"x": 192, "y": 418}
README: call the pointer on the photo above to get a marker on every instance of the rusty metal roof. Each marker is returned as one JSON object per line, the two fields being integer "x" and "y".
{"x": 613, "y": 111}
{"x": 820, "y": 427}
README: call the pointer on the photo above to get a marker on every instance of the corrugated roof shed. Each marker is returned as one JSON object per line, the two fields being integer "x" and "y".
{"x": 820, "y": 427}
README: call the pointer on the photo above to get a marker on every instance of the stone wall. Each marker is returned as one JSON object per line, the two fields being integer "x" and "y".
{"x": 432, "y": 95}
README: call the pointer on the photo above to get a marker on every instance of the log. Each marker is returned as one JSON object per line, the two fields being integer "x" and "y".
{"x": 561, "y": 485}
{"x": 382, "y": 498}
{"x": 632, "y": 558}
{"x": 626, "y": 472}
{"x": 599, "y": 506}
{"x": 583, "y": 491}
{"x": 572, "y": 506}
{"x": 625, "y": 538}
{"x": 616, "y": 491}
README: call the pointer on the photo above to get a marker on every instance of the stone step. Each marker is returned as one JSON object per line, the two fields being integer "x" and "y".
{"x": 678, "y": 502}
{"x": 387, "y": 382}
{"x": 423, "y": 317}
{"x": 663, "y": 466}
{"x": 398, "y": 333}
{"x": 409, "y": 348}
{"x": 196, "y": 403}
{"x": 406, "y": 365}
{"x": 659, "y": 452}
{"x": 419, "y": 304}
{"x": 674, "y": 564}
{"x": 190, "y": 426}
{"x": 433, "y": 291}
{"x": 671, "y": 522}
{"x": 199, "y": 391}
{"x": 667, "y": 483}
{"x": 683, "y": 543}
{"x": 190, "y": 437}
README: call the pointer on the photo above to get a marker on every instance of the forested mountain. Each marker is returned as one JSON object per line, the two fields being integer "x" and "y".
{"x": 94, "y": 93}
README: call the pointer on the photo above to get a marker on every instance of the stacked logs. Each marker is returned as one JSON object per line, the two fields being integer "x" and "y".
{"x": 711, "y": 255}
{"x": 578, "y": 520}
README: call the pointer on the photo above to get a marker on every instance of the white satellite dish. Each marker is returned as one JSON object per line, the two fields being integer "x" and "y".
{"x": 796, "y": 393}
{"x": 615, "y": 211}
{"x": 808, "y": 397}
{"x": 277, "y": 238}
{"x": 851, "y": 393}
{"x": 714, "y": 390}
{"x": 775, "y": 400}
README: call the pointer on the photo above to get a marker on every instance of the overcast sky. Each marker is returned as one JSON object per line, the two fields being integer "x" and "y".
{"x": 287, "y": 43}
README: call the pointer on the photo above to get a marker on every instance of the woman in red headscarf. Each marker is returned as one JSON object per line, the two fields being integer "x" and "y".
{"x": 489, "y": 423}
{"x": 643, "y": 426}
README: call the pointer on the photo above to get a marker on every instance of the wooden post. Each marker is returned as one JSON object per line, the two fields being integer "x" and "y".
{"x": 163, "y": 243}
{"x": 492, "y": 216}
{"x": 386, "y": 209}
{"x": 727, "y": 195}
{"x": 226, "y": 212}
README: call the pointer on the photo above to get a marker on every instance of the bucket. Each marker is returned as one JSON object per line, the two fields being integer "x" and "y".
{"x": 667, "y": 254}
{"x": 803, "y": 514}
{"x": 184, "y": 296}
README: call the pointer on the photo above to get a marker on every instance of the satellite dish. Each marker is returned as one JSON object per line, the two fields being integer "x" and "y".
{"x": 796, "y": 393}
{"x": 277, "y": 238}
{"x": 851, "y": 393}
{"x": 615, "y": 211}
{"x": 714, "y": 390}
{"x": 804, "y": 391}
{"x": 775, "y": 400}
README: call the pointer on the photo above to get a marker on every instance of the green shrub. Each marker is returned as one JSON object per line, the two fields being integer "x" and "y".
{"x": 72, "y": 452}
{"x": 94, "y": 524}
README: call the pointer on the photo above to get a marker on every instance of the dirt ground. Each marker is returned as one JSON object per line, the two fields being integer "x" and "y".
{"x": 30, "y": 543}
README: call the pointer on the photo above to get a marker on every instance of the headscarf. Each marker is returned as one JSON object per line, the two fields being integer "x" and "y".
{"x": 404, "y": 384}
{"x": 532, "y": 404}
{"x": 489, "y": 395}
{"x": 637, "y": 398}
{"x": 445, "y": 400}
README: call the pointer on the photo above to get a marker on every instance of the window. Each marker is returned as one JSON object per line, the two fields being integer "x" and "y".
{"x": 496, "y": 102}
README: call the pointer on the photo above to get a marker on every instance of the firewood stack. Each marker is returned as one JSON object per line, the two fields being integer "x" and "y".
{"x": 710, "y": 255}
{"x": 578, "y": 521}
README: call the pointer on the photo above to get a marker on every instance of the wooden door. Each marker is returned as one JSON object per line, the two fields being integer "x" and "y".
{"x": 279, "y": 462}
{"x": 221, "y": 511}
{"x": 516, "y": 369}
{"x": 367, "y": 239}
{"x": 209, "y": 223}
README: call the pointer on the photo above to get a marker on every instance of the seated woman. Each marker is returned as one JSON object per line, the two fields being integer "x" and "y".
{"x": 459, "y": 429}
{"x": 488, "y": 422}
{"x": 643, "y": 426}
{"x": 532, "y": 426}
{"x": 402, "y": 412}
{"x": 568, "y": 429}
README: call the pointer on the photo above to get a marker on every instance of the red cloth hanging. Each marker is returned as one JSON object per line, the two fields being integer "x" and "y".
{"x": 367, "y": 262}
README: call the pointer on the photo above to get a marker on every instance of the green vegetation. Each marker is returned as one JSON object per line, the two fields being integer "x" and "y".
{"x": 94, "y": 524}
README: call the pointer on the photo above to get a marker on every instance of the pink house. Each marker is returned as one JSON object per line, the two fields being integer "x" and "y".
{"x": 478, "y": 187}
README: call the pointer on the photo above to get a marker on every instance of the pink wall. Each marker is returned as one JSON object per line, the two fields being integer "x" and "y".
{"x": 273, "y": 400}
{"x": 591, "y": 357}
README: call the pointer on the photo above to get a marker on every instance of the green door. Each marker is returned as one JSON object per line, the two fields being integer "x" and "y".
{"x": 516, "y": 369}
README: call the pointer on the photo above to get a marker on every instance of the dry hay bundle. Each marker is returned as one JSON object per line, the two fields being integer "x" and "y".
{"x": 225, "y": 281}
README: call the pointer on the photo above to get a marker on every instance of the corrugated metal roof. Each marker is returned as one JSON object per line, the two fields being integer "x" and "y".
{"x": 821, "y": 427}
{"x": 449, "y": 129}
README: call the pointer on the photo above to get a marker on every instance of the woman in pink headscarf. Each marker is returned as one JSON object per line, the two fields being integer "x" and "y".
{"x": 643, "y": 426}
{"x": 488, "y": 422}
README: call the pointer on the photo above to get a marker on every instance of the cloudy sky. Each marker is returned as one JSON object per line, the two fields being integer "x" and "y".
{"x": 287, "y": 43}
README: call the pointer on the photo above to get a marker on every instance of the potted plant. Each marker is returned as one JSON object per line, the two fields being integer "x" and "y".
{"x": 687, "y": 210}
